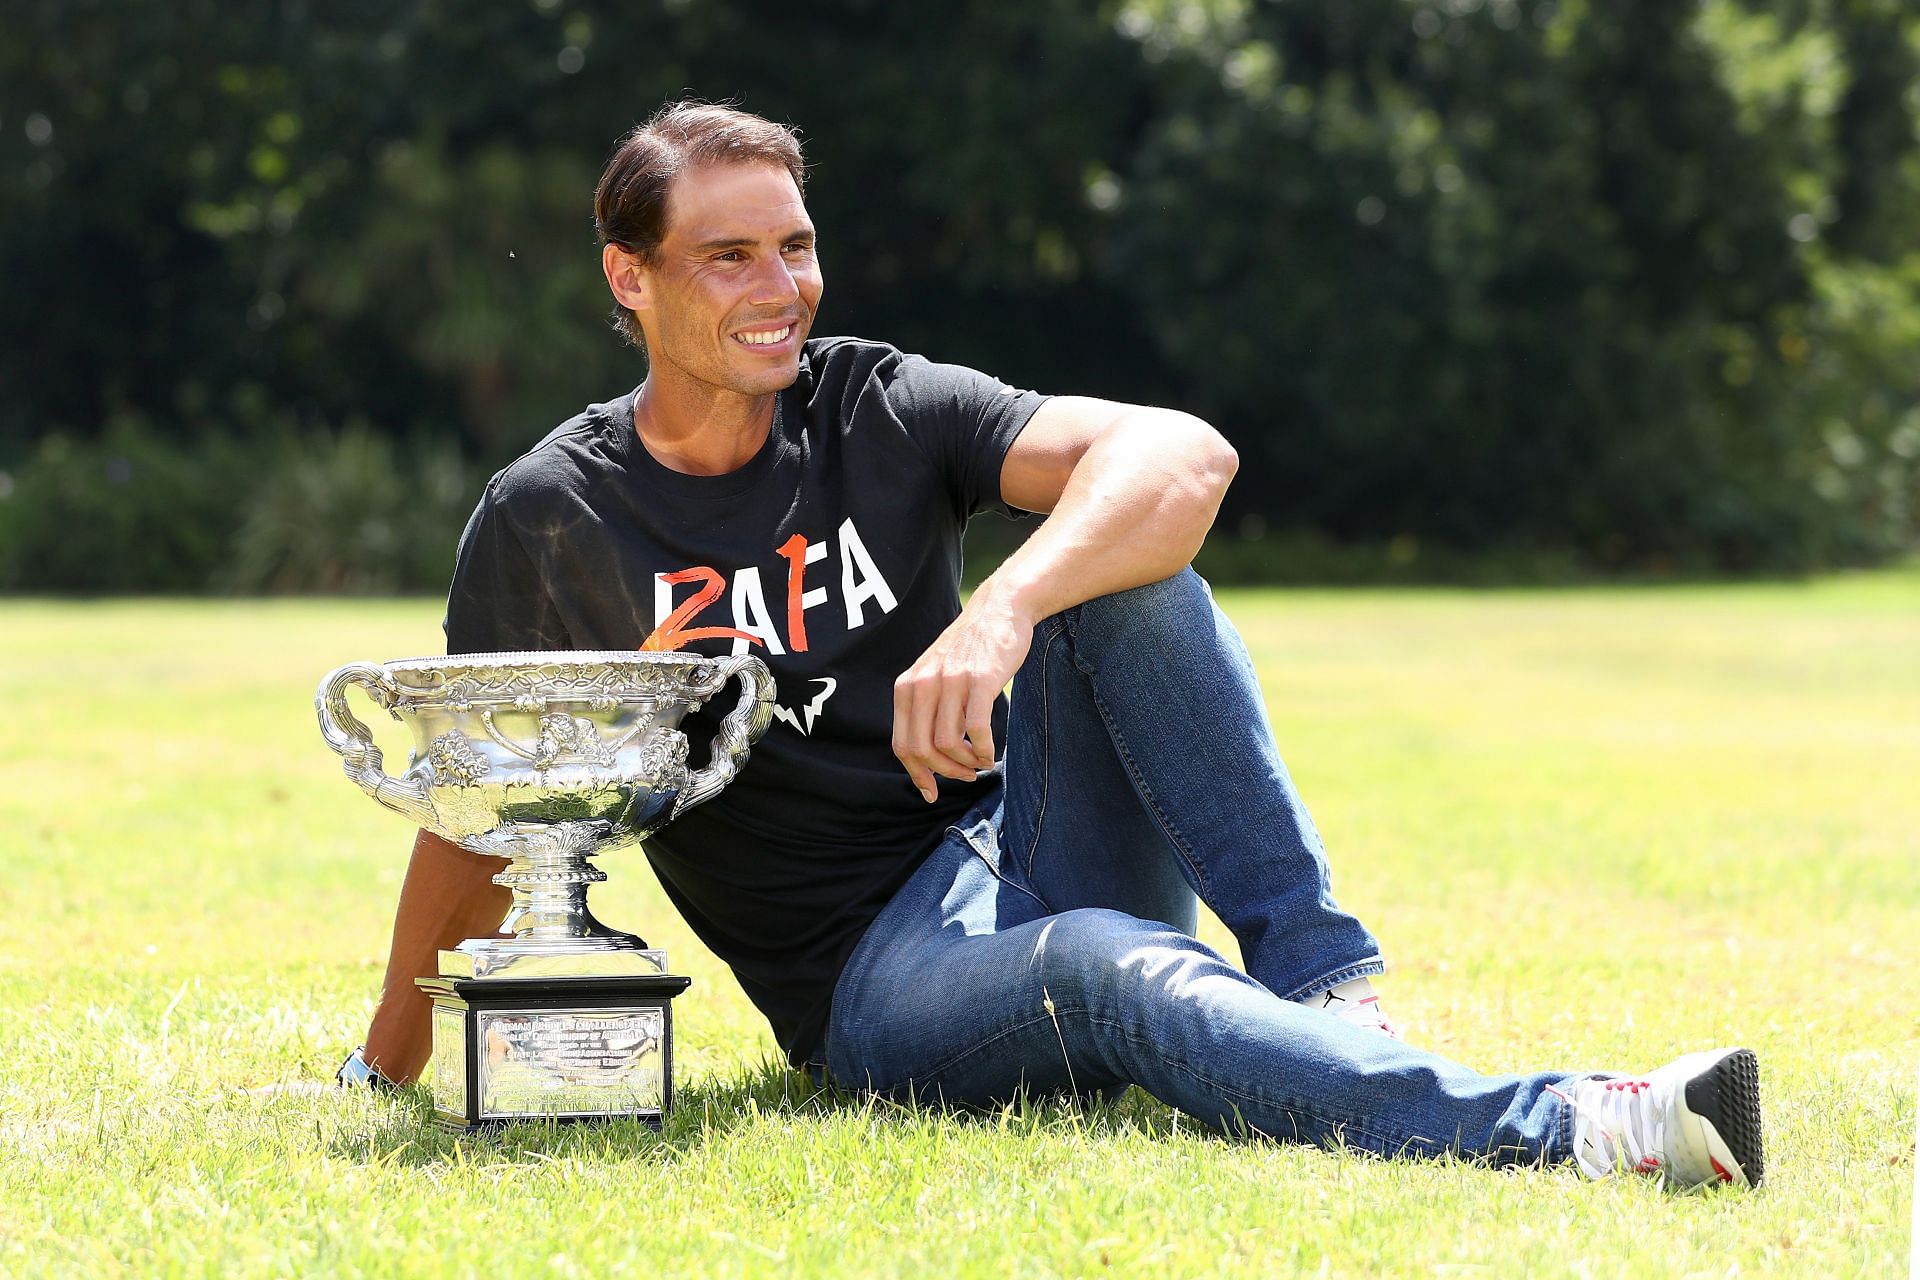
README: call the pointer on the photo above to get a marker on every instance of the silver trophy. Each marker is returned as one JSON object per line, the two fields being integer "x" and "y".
{"x": 547, "y": 759}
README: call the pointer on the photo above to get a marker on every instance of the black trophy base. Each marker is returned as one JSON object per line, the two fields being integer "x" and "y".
{"x": 558, "y": 1049}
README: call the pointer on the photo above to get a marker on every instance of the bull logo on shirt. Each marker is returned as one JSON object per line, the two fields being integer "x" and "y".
{"x": 811, "y": 711}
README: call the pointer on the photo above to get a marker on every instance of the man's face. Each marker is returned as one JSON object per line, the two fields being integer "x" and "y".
{"x": 734, "y": 284}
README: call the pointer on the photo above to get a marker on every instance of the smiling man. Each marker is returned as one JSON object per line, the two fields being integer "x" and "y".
{"x": 915, "y": 910}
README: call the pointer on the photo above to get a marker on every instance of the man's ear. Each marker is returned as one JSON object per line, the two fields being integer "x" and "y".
{"x": 626, "y": 277}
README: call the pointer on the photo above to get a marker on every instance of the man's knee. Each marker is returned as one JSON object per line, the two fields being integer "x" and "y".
{"x": 1172, "y": 605}
{"x": 1180, "y": 592}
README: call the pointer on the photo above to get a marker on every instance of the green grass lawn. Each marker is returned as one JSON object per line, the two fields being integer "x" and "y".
{"x": 1593, "y": 828}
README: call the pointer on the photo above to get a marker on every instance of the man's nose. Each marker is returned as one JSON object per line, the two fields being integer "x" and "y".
{"x": 774, "y": 285}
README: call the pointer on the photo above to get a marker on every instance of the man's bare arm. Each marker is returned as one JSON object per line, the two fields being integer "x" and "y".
{"x": 447, "y": 897}
{"x": 1131, "y": 492}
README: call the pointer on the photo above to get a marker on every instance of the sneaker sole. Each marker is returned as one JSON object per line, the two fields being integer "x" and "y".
{"x": 1725, "y": 1098}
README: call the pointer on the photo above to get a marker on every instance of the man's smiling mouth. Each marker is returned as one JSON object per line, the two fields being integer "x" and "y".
{"x": 764, "y": 337}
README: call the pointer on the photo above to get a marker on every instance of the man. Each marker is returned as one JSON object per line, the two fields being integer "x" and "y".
{"x": 914, "y": 912}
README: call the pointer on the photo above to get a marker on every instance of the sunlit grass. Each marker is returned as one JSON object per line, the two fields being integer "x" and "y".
{"x": 1594, "y": 828}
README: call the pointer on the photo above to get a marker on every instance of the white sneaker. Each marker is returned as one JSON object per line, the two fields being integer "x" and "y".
{"x": 1692, "y": 1122}
{"x": 1355, "y": 1002}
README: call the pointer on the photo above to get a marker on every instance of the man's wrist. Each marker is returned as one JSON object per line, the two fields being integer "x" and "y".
{"x": 1004, "y": 595}
{"x": 357, "y": 1073}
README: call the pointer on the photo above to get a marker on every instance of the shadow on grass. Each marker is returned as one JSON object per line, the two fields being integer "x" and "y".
{"x": 408, "y": 1135}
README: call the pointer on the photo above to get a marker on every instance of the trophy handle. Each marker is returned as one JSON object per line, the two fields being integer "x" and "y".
{"x": 353, "y": 743}
{"x": 738, "y": 732}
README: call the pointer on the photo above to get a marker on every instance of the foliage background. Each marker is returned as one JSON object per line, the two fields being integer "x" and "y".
{"x": 1555, "y": 288}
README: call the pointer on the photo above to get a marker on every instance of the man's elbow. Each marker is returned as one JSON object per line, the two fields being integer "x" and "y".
{"x": 1215, "y": 462}
{"x": 1226, "y": 460}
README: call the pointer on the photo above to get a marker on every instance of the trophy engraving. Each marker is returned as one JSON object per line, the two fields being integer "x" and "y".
{"x": 546, "y": 760}
{"x": 565, "y": 1060}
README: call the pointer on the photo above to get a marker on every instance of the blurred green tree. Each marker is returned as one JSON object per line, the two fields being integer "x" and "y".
{"x": 1638, "y": 283}
{"x": 1486, "y": 273}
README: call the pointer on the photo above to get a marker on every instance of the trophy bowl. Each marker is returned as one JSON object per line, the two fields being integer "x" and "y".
{"x": 546, "y": 759}
{"x": 503, "y": 740}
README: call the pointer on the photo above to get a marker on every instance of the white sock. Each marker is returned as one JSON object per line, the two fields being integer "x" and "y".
{"x": 1353, "y": 1000}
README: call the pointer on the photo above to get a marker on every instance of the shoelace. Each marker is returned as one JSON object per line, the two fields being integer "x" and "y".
{"x": 1632, "y": 1132}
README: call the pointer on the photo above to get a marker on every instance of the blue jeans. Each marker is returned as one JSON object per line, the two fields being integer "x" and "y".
{"x": 1047, "y": 943}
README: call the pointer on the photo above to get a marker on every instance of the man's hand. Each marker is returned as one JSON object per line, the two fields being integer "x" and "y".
{"x": 1130, "y": 493}
{"x": 943, "y": 703}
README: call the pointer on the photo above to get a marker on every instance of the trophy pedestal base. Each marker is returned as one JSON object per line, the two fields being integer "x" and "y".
{"x": 567, "y": 1048}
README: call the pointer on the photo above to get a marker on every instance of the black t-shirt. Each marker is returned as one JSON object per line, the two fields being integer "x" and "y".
{"x": 833, "y": 555}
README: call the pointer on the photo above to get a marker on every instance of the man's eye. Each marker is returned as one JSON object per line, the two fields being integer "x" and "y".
{"x": 730, "y": 255}
{"x": 799, "y": 246}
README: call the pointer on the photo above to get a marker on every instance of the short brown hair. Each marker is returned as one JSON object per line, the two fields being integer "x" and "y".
{"x": 630, "y": 204}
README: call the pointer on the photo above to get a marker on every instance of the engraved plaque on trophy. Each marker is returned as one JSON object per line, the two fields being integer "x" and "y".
{"x": 547, "y": 759}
